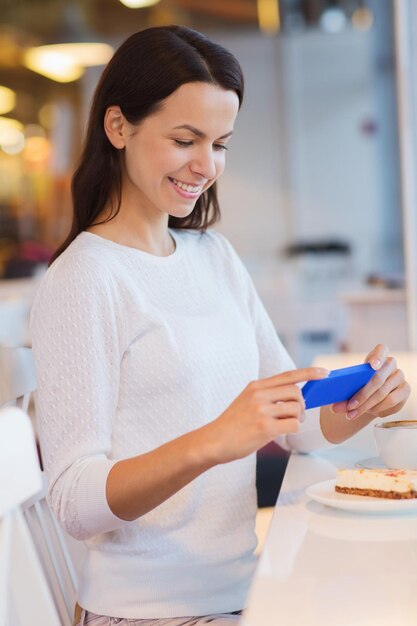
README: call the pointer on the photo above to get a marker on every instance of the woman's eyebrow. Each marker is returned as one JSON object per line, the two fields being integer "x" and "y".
{"x": 199, "y": 133}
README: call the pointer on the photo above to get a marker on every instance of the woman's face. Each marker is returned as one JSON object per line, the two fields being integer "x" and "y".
{"x": 174, "y": 155}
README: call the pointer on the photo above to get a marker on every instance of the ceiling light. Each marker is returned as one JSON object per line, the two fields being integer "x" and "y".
{"x": 66, "y": 62}
{"x": 10, "y": 133}
{"x": 8, "y": 122}
{"x": 138, "y": 4}
{"x": 268, "y": 16}
{"x": 14, "y": 142}
{"x": 7, "y": 100}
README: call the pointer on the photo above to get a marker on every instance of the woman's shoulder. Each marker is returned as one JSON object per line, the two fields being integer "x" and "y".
{"x": 77, "y": 269}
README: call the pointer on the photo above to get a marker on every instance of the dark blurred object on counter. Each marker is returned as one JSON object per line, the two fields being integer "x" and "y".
{"x": 325, "y": 246}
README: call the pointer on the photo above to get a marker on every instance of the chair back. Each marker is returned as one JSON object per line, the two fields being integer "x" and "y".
{"x": 36, "y": 571}
{"x": 14, "y": 321}
{"x": 17, "y": 376}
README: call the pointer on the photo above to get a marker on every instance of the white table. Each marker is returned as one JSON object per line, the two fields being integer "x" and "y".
{"x": 326, "y": 567}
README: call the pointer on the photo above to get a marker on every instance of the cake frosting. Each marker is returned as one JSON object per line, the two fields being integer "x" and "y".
{"x": 380, "y": 483}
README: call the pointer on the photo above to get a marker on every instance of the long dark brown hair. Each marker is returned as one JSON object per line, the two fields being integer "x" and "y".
{"x": 148, "y": 67}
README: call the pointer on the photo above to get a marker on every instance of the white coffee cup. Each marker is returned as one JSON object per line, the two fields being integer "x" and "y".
{"x": 397, "y": 443}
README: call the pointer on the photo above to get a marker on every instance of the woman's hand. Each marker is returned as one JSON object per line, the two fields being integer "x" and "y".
{"x": 386, "y": 392}
{"x": 264, "y": 410}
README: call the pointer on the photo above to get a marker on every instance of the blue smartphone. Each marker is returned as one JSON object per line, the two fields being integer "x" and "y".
{"x": 340, "y": 385}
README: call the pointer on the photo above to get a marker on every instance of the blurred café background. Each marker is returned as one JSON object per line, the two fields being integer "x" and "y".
{"x": 318, "y": 193}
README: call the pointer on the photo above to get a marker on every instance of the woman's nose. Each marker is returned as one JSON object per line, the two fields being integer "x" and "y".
{"x": 204, "y": 164}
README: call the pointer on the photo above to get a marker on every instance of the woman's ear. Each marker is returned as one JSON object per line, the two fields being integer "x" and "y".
{"x": 115, "y": 127}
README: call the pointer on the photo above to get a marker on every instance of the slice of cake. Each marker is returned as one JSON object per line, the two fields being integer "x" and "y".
{"x": 378, "y": 483}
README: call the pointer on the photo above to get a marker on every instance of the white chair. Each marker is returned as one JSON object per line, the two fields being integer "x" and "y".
{"x": 37, "y": 577}
{"x": 17, "y": 377}
{"x": 14, "y": 321}
{"x": 16, "y": 298}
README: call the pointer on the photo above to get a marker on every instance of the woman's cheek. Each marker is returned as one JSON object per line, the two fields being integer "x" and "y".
{"x": 220, "y": 165}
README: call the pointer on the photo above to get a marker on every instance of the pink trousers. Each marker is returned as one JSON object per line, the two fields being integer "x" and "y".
{"x": 219, "y": 619}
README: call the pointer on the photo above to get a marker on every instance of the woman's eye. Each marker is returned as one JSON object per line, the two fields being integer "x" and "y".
{"x": 186, "y": 144}
{"x": 183, "y": 144}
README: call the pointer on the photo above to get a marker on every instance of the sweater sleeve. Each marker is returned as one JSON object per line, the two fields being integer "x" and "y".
{"x": 274, "y": 359}
{"x": 77, "y": 342}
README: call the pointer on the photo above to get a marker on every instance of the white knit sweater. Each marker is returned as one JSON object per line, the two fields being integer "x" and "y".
{"x": 133, "y": 350}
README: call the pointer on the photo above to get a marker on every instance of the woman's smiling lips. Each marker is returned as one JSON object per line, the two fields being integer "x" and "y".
{"x": 186, "y": 190}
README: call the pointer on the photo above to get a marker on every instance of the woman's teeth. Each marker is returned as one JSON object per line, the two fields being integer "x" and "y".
{"x": 189, "y": 188}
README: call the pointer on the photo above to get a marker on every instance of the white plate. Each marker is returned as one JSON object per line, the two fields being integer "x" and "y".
{"x": 325, "y": 494}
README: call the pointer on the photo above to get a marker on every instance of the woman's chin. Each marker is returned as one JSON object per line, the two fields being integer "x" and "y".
{"x": 181, "y": 214}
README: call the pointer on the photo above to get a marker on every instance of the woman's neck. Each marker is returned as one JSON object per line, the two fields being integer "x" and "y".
{"x": 135, "y": 233}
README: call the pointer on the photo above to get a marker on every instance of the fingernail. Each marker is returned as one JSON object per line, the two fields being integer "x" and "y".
{"x": 377, "y": 364}
{"x": 350, "y": 415}
{"x": 352, "y": 405}
{"x": 322, "y": 370}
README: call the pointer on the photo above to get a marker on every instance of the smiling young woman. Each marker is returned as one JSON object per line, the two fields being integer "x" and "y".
{"x": 152, "y": 69}
{"x": 183, "y": 161}
{"x": 159, "y": 372}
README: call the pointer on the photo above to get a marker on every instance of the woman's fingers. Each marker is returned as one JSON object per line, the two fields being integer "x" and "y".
{"x": 284, "y": 410}
{"x": 281, "y": 393}
{"x": 281, "y": 402}
{"x": 379, "y": 394}
{"x": 361, "y": 401}
{"x": 282, "y": 427}
{"x": 384, "y": 394}
{"x": 293, "y": 377}
{"x": 377, "y": 356}
{"x": 265, "y": 409}
{"x": 383, "y": 365}
{"x": 393, "y": 402}
{"x": 279, "y": 396}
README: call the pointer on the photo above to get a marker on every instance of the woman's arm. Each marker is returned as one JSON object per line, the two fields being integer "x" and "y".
{"x": 264, "y": 410}
{"x": 137, "y": 485}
